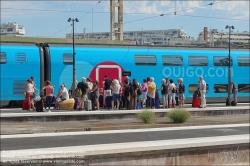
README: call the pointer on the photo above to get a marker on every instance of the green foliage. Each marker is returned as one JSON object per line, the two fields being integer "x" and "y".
{"x": 178, "y": 115}
{"x": 147, "y": 116}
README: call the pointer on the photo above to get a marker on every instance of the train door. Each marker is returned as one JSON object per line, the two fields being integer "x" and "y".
{"x": 112, "y": 71}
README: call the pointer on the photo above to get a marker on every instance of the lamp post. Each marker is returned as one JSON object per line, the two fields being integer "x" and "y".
{"x": 74, "y": 62}
{"x": 229, "y": 64}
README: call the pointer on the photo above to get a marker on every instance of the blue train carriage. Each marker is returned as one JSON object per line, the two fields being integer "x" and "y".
{"x": 19, "y": 61}
{"x": 95, "y": 61}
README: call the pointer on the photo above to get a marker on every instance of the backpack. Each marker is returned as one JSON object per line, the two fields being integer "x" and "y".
{"x": 174, "y": 90}
{"x": 151, "y": 88}
{"x": 126, "y": 91}
{"x": 181, "y": 88}
{"x": 131, "y": 89}
{"x": 139, "y": 91}
{"x": 197, "y": 93}
{"x": 78, "y": 92}
{"x": 92, "y": 96}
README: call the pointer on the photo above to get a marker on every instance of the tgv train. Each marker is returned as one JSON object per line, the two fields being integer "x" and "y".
{"x": 54, "y": 62}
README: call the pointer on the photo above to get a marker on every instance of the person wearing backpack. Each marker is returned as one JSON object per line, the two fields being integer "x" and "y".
{"x": 171, "y": 93}
{"x": 126, "y": 94}
{"x": 107, "y": 91}
{"x": 181, "y": 91}
{"x": 151, "y": 93}
{"x": 164, "y": 93}
{"x": 84, "y": 87}
{"x": 133, "y": 87}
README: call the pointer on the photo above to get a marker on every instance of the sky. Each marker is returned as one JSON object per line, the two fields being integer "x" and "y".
{"x": 49, "y": 18}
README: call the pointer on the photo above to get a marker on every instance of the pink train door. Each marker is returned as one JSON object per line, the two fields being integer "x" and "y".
{"x": 111, "y": 69}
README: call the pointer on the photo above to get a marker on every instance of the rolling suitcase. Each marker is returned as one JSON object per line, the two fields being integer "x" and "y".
{"x": 177, "y": 101}
{"x": 39, "y": 106}
{"x": 228, "y": 102}
{"x": 108, "y": 100}
{"x": 120, "y": 105}
{"x": 138, "y": 106}
{"x": 157, "y": 103}
{"x": 88, "y": 105}
{"x": 196, "y": 102}
{"x": 25, "y": 105}
{"x": 101, "y": 100}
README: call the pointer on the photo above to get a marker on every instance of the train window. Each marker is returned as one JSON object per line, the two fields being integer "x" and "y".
{"x": 243, "y": 61}
{"x": 3, "y": 58}
{"x": 244, "y": 88}
{"x": 21, "y": 58}
{"x": 193, "y": 87}
{"x": 222, "y": 61}
{"x": 220, "y": 88}
{"x": 172, "y": 60}
{"x": 68, "y": 58}
{"x": 197, "y": 61}
{"x": 145, "y": 60}
{"x": 18, "y": 87}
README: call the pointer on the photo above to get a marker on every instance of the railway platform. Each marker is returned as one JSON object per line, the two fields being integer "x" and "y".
{"x": 18, "y": 114}
{"x": 195, "y": 145}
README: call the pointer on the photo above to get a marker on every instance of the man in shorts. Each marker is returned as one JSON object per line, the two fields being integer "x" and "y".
{"x": 181, "y": 91}
{"x": 84, "y": 87}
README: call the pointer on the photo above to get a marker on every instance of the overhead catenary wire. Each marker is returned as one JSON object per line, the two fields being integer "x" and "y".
{"x": 79, "y": 19}
{"x": 175, "y": 12}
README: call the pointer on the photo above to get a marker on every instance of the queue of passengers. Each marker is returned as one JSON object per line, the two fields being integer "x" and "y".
{"x": 128, "y": 96}
{"x": 130, "y": 93}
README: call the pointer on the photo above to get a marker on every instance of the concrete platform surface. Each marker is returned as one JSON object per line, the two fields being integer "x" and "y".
{"x": 6, "y": 111}
{"x": 80, "y": 144}
{"x": 113, "y": 112}
{"x": 30, "y": 127}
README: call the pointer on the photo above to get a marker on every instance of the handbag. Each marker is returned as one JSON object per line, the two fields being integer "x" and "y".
{"x": 92, "y": 96}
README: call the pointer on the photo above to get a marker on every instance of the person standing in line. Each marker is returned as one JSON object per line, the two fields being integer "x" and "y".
{"x": 167, "y": 81}
{"x": 115, "y": 93}
{"x": 151, "y": 93}
{"x": 33, "y": 82}
{"x": 148, "y": 98}
{"x": 171, "y": 93}
{"x": 202, "y": 88}
{"x": 49, "y": 95}
{"x": 144, "y": 92}
{"x": 164, "y": 93}
{"x": 107, "y": 91}
{"x": 84, "y": 87}
{"x": 29, "y": 89}
{"x": 90, "y": 85}
{"x": 133, "y": 94}
{"x": 126, "y": 93}
{"x": 120, "y": 91}
{"x": 95, "y": 90}
{"x": 181, "y": 91}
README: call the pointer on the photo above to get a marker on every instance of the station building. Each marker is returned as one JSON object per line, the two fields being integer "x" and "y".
{"x": 12, "y": 29}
